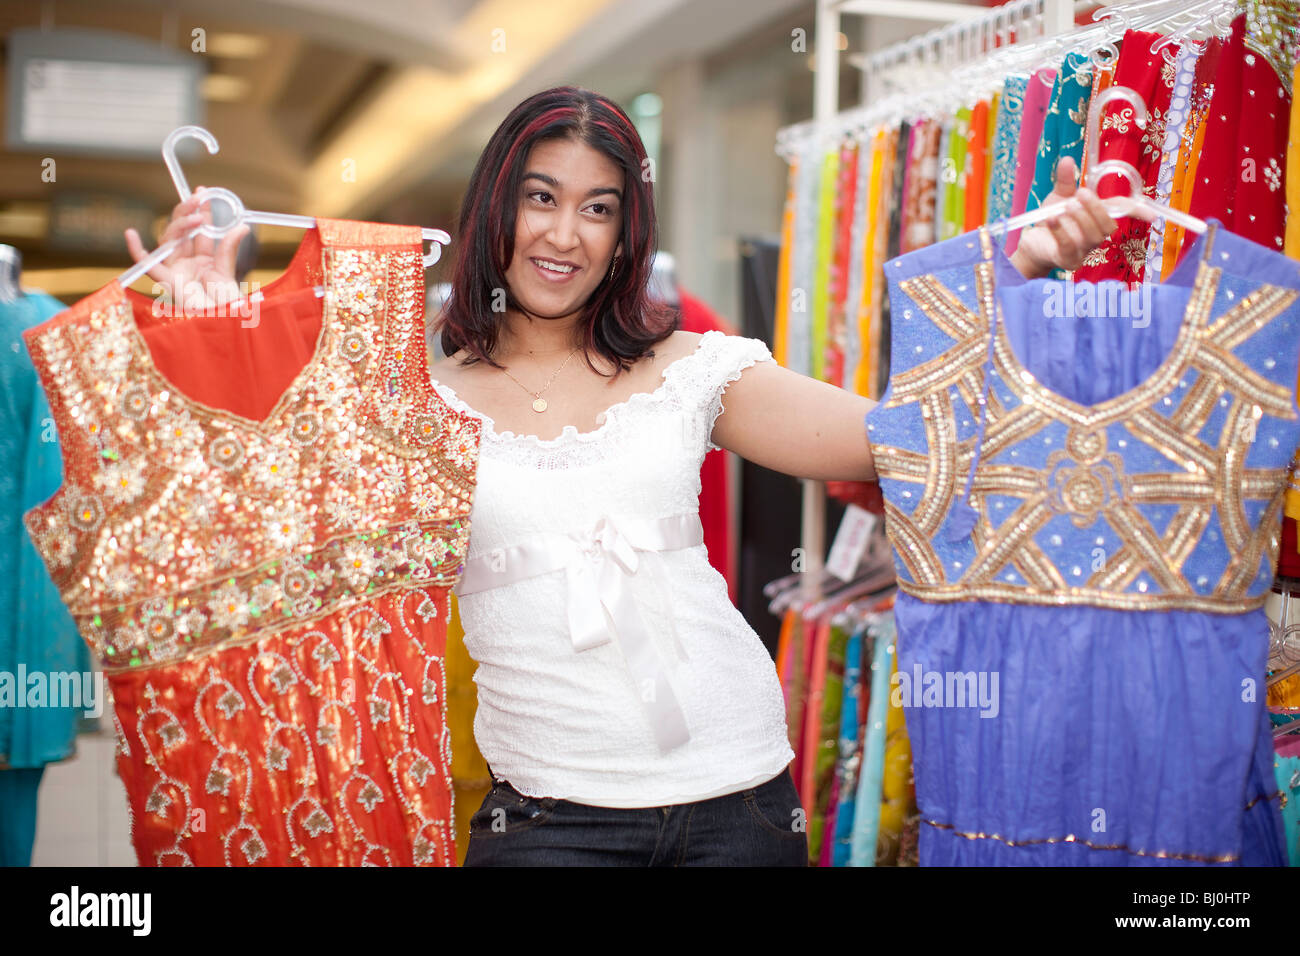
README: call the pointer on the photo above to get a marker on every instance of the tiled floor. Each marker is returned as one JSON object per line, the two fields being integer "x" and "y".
{"x": 81, "y": 819}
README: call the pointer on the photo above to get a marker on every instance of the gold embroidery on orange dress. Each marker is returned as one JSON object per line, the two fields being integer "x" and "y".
{"x": 268, "y": 599}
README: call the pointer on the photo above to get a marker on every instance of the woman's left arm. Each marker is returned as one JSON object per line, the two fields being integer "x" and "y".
{"x": 796, "y": 425}
{"x": 800, "y": 426}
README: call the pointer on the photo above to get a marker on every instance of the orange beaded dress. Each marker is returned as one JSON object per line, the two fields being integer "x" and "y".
{"x": 260, "y": 521}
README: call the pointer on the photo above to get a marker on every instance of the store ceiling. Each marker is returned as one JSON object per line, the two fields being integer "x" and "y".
{"x": 405, "y": 91}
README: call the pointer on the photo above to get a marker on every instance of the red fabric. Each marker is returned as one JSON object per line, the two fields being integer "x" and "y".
{"x": 864, "y": 494}
{"x": 1241, "y": 175}
{"x": 1288, "y": 562}
{"x": 715, "y": 488}
{"x": 845, "y": 197}
{"x": 1123, "y": 255}
{"x": 275, "y": 705}
{"x": 240, "y": 360}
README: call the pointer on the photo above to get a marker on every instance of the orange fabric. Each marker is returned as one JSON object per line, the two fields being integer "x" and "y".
{"x": 247, "y": 360}
{"x": 1102, "y": 80}
{"x": 813, "y": 716}
{"x": 272, "y": 623}
{"x": 781, "y": 332}
{"x": 977, "y": 158}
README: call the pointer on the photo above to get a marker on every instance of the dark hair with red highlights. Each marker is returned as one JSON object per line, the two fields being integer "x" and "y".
{"x": 620, "y": 320}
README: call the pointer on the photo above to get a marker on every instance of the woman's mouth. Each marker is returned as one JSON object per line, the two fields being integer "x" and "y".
{"x": 553, "y": 271}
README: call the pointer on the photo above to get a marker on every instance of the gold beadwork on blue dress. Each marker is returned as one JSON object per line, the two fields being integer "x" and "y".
{"x": 1179, "y": 442}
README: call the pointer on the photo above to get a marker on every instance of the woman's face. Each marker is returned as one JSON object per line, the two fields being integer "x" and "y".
{"x": 570, "y": 217}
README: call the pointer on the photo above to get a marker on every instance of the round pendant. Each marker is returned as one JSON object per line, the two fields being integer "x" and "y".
{"x": 539, "y": 404}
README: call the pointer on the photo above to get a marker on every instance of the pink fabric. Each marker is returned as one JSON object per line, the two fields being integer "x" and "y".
{"x": 1038, "y": 97}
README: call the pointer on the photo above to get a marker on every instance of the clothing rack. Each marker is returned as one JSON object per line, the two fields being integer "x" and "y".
{"x": 970, "y": 39}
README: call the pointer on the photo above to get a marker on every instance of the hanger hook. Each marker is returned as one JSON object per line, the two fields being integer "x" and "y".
{"x": 210, "y": 193}
{"x": 1108, "y": 95}
{"x": 174, "y": 164}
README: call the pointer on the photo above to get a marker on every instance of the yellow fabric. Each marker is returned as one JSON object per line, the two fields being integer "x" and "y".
{"x": 896, "y": 784}
{"x": 1292, "y": 249}
{"x": 1181, "y": 198}
{"x": 782, "y": 330}
{"x": 865, "y": 375}
{"x": 1285, "y": 693}
{"x": 469, "y": 771}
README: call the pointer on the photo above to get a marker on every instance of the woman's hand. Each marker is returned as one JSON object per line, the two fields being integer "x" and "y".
{"x": 1063, "y": 241}
{"x": 200, "y": 272}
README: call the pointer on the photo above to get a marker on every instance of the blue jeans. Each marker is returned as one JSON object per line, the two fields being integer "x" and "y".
{"x": 761, "y": 826}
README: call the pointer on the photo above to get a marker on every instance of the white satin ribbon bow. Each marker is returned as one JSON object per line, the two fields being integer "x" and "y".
{"x": 597, "y": 566}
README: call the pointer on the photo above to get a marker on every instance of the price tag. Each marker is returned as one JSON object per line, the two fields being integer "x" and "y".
{"x": 850, "y": 542}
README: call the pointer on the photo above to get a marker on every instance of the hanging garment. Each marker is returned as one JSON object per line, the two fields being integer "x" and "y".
{"x": 258, "y": 549}
{"x": 1002, "y": 174}
{"x": 955, "y": 174}
{"x": 37, "y": 636}
{"x": 803, "y": 262}
{"x": 842, "y": 243}
{"x": 975, "y": 187}
{"x": 1038, "y": 97}
{"x": 869, "y": 296}
{"x": 1175, "y": 129}
{"x": 1103, "y": 77}
{"x": 1190, "y": 149}
{"x": 1122, "y": 255}
{"x": 1239, "y": 175}
{"x": 613, "y": 669}
{"x": 858, "y": 223}
{"x": 1063, "y": 126}
{"x": 1104, "y": 594}
{"x": 853, "y": 714}
{"x": 922, "y": 185}
{"x": 866, "y": 815}
{"x": 822, "y": 729}
{"x": 781, "y": 331}
{"x": 827, "y": 213}
{"x": 1288, "y": 561}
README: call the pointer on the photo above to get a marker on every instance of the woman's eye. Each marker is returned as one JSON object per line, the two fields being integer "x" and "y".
{"x": 600, "y": 209}
{"x": 539, "y": 193}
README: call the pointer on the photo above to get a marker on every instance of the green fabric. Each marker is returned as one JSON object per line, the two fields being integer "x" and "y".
{"x": 825, "y": 249}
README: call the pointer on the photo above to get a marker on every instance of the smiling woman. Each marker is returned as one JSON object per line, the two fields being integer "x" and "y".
{"x": 628, "y": 712}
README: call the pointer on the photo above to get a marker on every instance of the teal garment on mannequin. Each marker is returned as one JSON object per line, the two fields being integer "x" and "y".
{"x": 866, "y": 815}
{"x": 36, "y": 630}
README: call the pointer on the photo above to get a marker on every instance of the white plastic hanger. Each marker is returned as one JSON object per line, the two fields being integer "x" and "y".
{"x": 1115, "y": 205}
{"x": 241, "y": 215}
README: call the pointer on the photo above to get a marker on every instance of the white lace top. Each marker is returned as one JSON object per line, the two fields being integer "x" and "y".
{"x": 558, "y": 722}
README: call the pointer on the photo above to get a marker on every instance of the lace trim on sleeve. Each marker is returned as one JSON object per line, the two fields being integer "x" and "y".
{"x": 732, "y": 354}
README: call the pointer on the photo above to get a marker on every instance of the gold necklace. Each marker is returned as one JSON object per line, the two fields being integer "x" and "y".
{"x": 539, "y": 403}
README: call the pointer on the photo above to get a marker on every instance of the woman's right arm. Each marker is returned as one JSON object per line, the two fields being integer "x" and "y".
{"x": 200, "y": 272}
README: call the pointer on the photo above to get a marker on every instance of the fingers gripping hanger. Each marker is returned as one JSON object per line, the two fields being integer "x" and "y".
{"x": 1098, "y": 170}
{"x": 240, "y": 214}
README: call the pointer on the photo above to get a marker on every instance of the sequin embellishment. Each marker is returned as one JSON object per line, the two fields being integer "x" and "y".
{"x": 268, "y": 599}
{"x": 1141, "y": 480}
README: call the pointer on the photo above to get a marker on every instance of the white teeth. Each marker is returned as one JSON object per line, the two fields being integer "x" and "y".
{"x": 552, "y": 267}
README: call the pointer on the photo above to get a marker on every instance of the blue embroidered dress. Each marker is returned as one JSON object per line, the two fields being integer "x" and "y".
{"x": 1126, "y": 473}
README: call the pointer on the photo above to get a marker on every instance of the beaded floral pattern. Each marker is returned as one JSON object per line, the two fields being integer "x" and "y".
{"x": 268, "y": 599}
